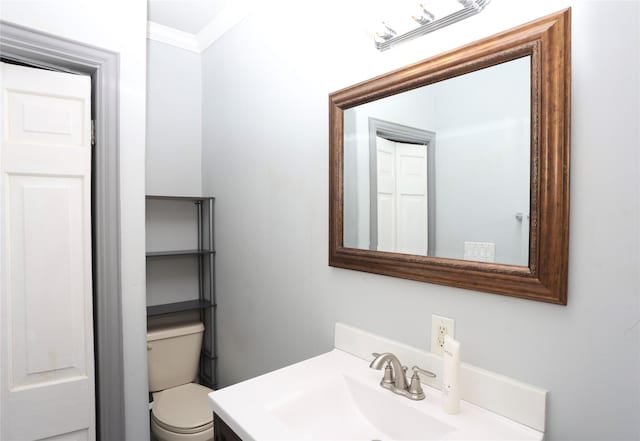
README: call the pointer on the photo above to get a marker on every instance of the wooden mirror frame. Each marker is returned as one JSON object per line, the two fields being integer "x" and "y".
{"x": 548, "y": 42}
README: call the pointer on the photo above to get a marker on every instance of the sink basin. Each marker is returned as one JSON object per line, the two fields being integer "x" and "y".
{"x": 336, "y": 396}
{"x": 353, "y": 410}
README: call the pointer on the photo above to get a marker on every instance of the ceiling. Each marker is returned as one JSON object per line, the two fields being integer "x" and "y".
{"x": 193, "y": 16}
{"x": 185, "y": 15}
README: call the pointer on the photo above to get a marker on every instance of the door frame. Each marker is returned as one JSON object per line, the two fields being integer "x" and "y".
{"x": 39, "y": 49}
{"x": 409, "y": 135}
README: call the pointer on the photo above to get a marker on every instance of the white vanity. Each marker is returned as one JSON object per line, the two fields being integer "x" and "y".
{"x": 336, "y": 396}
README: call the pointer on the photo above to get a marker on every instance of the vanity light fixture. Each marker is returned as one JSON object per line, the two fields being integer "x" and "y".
{"x": 427, "y": 23}
{"x": 425, "y": 18}
{"x": 387, "y": 33}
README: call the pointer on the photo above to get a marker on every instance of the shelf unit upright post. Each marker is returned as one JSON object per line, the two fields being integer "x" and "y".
{"x": 206, "y": 302}
{"x": 207, "y": 289}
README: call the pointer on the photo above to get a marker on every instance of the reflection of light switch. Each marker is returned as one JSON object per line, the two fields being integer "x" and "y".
{"x": 480, "y": 251}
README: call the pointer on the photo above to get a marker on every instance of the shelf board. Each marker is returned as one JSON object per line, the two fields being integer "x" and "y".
{"x": 178, "y": 198}
{"x": 179, "y": 253}
{"x": 168, "y": 308}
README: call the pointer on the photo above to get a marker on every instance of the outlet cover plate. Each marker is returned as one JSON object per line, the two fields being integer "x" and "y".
{"x": 480, "y": 251}
{"x": 440, "y": 326}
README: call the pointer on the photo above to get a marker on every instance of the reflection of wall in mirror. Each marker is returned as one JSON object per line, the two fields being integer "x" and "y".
{"x": 482, "y": 179}
{"x": 351, "y": 214}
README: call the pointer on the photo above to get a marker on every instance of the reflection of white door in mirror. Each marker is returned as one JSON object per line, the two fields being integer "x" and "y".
{"x": 402, "y": 197}
{"x": 402, "y": 211}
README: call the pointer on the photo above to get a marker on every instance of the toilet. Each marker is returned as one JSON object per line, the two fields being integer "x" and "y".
{"x": 180, "y": 408}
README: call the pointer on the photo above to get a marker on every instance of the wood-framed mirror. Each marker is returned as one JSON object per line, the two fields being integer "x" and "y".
{"x": 455, "y": 170}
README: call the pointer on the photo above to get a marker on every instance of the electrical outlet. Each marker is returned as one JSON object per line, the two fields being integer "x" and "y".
{"x": 440, "y": 326}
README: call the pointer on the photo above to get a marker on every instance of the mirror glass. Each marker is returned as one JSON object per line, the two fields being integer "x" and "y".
{"x": 443, "y": 170}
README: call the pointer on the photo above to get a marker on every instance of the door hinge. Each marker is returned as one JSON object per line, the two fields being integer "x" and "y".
{"x": 93, "y": 133}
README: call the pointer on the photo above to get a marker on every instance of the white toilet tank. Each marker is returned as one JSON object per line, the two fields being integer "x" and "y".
{"x": 173, "y": 353}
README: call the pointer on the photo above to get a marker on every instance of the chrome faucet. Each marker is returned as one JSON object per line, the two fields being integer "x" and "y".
{"x": 394, "y": 376}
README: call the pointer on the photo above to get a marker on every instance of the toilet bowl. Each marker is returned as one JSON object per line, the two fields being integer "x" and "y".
{"x": 182, "y": 413}
{"x": 180, "y": 410}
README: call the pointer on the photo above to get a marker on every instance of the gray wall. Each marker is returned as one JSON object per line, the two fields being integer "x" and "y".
{"x": 174, "y": 129}
{"x": 265, "y": 139}
{"x": 171, "y": 225}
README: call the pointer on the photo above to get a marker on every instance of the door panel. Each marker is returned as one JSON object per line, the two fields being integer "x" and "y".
{"x": 386, "y": 175}
{"x": 386, "y": 220}
{"x": 79, "y": 435}
{"x": 46, "y": 363}
{"x": 45, "y": 341}
{"x": 413, "y": 224}
{"x": 36, "y": 119}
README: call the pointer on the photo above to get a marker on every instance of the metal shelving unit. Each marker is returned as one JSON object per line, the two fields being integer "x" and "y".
{"x": 206, "y": 303}
{"x": 170, "y": 308}
{"x": 176, "y": 253}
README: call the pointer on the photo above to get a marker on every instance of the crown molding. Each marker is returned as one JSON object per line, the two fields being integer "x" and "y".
{"x": 173, "y": 37}
{"x": 213, "y": 31}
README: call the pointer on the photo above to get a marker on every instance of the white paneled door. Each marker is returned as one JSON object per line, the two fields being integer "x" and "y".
{"x": 403, "y": 225}
{"x": 46, "y": 365}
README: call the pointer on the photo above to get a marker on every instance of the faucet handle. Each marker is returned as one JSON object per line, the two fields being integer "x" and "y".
{"x": 415, "y": 388}
{"x": 425, "y": 372}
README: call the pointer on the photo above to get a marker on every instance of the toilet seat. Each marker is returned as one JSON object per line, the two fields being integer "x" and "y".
{"x": 183, "y": 409}
{"x": 162, "y": 434}
{"x": 182, "y": 430}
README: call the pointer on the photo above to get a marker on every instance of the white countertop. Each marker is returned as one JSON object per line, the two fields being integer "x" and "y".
{"x": 337, "y": 396}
